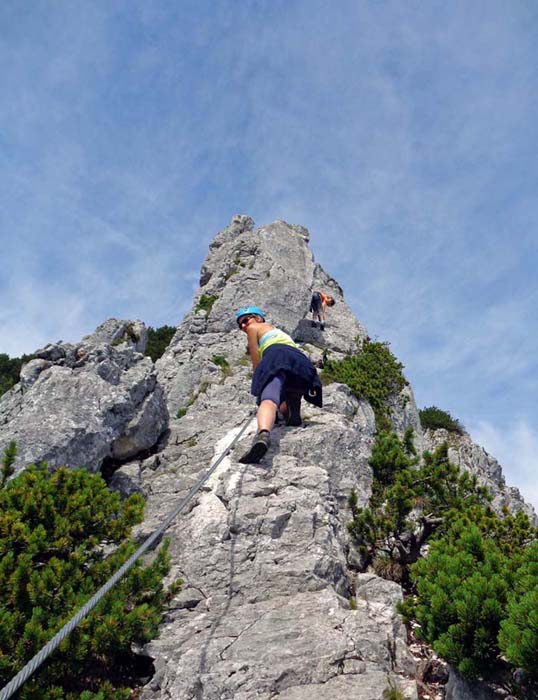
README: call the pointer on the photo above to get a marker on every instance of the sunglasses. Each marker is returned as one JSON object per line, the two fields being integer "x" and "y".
{"x": 244, "y": 319}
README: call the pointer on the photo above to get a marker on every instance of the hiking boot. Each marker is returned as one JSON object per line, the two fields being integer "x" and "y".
{"x": 293, "y": 402}
{"x": 322, "y": 326}
{"x": 259, "y": 447}
{"x": 313, "y": 324}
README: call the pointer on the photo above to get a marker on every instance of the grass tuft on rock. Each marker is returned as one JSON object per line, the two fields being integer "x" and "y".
{"x": 205, "y": 302}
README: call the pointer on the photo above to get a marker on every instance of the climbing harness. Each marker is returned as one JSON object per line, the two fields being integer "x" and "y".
{"x": 23, "y": 675}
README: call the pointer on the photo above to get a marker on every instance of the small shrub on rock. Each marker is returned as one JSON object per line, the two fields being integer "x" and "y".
{"x": 373, "y": 374}
{"x": 158, "y": 340}
{"x": 129, "y": 333}
{"x": 222, "y": 362}
{"x": 435, "y": 418}
{"x": 393, "y": 693}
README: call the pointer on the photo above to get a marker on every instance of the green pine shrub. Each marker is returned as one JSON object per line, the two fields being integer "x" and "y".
{"x": 388, "y": 457}
{"x": 463, "y": 592}
{"x": 435, "y": 418}
{"x": 462, "y": 588}
{"x": 8, "y": 459}
{"x": 518, "y": 638}
{"x": 158, "y": 340}
{"x": 373, "y": 374}
{"x": 410, "y": 503}
{"x": 62, "y": 535}
{"x": 474, "y": 595}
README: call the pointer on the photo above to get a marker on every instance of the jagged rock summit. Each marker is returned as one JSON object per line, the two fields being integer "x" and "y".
{"x": 272, "y": 604}
{"x": 272, "y": 267}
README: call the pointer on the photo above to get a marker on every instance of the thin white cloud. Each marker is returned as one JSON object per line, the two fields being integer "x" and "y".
{"x": 39, "y": 319}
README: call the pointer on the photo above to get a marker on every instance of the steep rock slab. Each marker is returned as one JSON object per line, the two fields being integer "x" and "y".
{"x": 266, "y": 608}
{"x": 265, "y": 611}
{"x": 78, "y": 404}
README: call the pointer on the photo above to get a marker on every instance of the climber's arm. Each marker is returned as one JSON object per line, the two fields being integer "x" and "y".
{"x": 252, "y": 335}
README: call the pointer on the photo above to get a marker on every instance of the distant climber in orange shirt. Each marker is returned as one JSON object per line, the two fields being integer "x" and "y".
{"x": 318, "y": 304}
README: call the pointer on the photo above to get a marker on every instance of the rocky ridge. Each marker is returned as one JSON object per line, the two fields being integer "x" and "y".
{"x": 471, "y": 457}
{"x": 272, "y": 604}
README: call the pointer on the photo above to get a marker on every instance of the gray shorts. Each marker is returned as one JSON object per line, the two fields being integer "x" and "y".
{"x": 274, "y": 390}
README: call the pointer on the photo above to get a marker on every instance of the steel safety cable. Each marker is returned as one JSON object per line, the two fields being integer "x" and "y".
{"x": 34, "y": 663}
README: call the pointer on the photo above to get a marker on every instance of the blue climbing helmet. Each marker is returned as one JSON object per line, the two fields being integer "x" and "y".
{"x": 248, "y": 311}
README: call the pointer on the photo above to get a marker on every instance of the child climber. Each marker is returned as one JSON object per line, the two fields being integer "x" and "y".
{"x": 282, "y": 376}
{"x": 318, "y": 304}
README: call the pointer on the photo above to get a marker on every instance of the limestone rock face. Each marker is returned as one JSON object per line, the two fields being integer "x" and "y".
{"x": 459, "y": 689}
{"x": 272, "y": 605}
{"x": 77, "y": 405}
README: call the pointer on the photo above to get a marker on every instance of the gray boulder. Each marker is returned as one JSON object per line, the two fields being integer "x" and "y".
{"x": 31, "y": 371}
{"x": 77, "y": 405}
{"x": 458, "y": 688}
{"x": 113, "y": 332}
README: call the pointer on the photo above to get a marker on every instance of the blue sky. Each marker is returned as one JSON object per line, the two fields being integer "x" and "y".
{"x": 402, "y": 134}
